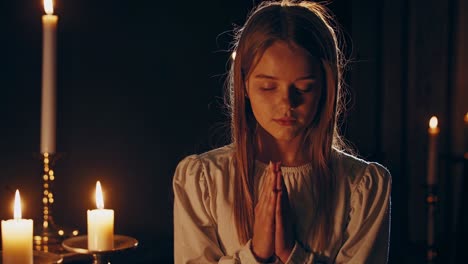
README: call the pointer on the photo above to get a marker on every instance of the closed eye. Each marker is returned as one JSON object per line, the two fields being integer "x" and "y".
{"x": 267, "y": 88}
{"x": 304, "y": 89}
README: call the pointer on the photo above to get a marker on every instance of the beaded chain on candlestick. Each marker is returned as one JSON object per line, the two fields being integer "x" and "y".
{"x": 50, "y": 233}
{"x": 48, "y": 196}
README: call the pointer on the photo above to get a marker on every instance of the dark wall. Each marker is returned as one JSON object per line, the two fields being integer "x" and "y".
{"x": 138, "y": 89}
{"x": 140, "y": 86}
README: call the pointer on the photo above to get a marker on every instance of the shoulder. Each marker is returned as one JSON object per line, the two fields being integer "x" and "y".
{"x": 219, "y": 157}
{"x": 203, "y": 166}
{"x": 359, "y": 172}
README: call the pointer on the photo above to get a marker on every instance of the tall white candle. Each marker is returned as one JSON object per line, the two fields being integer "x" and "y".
{"x": 432, "y": 151}
{"x": 48, "y": 109}
{"x": 100, "y": 225}
{"x": 17, "y": 237}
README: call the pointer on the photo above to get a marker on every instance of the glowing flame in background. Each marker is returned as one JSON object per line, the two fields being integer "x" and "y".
{"x": 49, "y": 7}
{"x": 433, "y": 122}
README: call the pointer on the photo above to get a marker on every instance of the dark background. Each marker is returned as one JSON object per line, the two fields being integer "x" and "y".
{"x": 140, "y": 86}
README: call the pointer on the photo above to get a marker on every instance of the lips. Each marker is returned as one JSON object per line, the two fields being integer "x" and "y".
{"x": 285, "y": 121}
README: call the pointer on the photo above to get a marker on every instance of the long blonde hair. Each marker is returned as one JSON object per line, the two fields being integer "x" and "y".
{"x": 308, "y": 25}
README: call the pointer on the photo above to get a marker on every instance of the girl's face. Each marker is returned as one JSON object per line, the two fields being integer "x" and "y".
{"x": 284, "y": 90}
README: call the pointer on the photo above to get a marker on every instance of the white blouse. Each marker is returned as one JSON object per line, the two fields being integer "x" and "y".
{"x": 204, "y": 228}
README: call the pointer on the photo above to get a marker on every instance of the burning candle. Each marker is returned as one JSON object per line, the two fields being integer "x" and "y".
{"x": 48, "y": 116}
{"x": 17, "y": 237}
{"x": 432, "y": 151}
{"x": 100, "y": 225}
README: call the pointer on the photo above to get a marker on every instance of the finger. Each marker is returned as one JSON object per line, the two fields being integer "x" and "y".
{"x": 271, "y": 207}
{"x": 273, "y": 176}
{"x": 279, "y": 209}
{"x": 267, "y": 185}
{"x": 271, "y": 222}
{"x": 260, "y": 208}
{"x": 277, "y": 166}
{"x": 266, "y": 214}
{"x": 278, "y": 177}
{"x": 275, "y": 184}
{"x": 279, "y": 225}
{"x": 268, "y": 202}
{"x": 281, "y": 195}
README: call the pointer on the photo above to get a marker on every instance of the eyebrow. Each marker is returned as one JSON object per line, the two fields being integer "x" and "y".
{"x": 269, "y": 77}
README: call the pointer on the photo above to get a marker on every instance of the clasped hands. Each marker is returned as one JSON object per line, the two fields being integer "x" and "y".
{"x": 273, "y": 233}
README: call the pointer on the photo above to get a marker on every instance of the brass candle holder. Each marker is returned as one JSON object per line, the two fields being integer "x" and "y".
{"x": 40, "y": 257}
{"x": 79, "y": 245}
{"x": 49, "y": 235}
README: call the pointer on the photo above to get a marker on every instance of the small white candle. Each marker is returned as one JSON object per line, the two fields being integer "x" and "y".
{"x": 432, "y": 151}
{"x": 100, "y": 225}
{"x": 17, "y": 237}
{"x": 48, "y": 104}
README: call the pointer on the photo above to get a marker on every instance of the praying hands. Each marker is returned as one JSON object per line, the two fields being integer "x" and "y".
{"x": 273, "y": 234}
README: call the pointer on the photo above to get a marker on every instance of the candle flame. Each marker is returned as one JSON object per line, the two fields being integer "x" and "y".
{"x": 433, "y": 122}
{"x": 49, "y": 7}
{"x": 466, "y": 118}
{"x": 233, "y": 55}
{"x": 17, "y": 207}
{"x": 99, "y": 199}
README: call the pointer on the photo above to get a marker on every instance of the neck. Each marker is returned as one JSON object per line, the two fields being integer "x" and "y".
{"x": 289, "y": 152}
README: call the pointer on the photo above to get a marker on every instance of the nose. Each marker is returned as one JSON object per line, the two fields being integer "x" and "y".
{"x": 291, "y": 98}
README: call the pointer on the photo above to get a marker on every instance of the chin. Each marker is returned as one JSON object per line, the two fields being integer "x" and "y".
{"x": 285, "y": 136}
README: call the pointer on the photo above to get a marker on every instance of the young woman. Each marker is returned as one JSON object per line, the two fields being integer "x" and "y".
{"x": 284, "y": 190}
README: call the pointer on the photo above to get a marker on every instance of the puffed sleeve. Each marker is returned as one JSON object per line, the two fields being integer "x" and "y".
{"x": 195, "y": 236}
{"x": 367, "y": 233}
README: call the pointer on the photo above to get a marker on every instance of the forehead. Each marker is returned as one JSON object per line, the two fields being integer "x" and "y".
{"x": 286, "y": 61}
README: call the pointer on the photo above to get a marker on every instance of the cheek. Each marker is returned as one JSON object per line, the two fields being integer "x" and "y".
{"x": 259, "y": 106}
{"x": 311, "y": 102}
{"x": 262, "y": 107}
{"x": 310, "y": 107}
{"x": 258, "y": 98}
